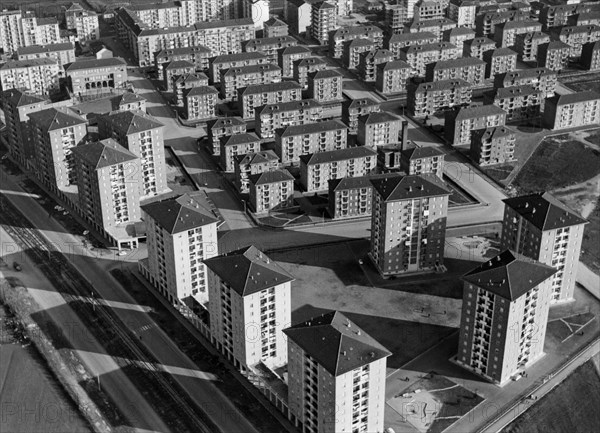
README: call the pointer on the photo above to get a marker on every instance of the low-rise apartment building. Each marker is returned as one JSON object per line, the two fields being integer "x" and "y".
{"x": 274, "y": 27}
{"x": 271, "y": 190}
{"x": 458, "y": 36}
{"x": 519, "y": 102}
{"x": 423, "y": 160}
{"x": 63, "y": 52}
{"x": 572, "y": 110}
{"x": 342, "y": 36}
{"x": 84, "y": 22}
{"x": 429, "y": 10}
{"x": 223, "y": 127}
{"x": 392, "y": 77}
{"x": 227, "y": 61}
{"x": 437, "y": 26}
{"x": 558, "y": 15}
{"x": 294, "y": 141}
{"x": 253, "y": 163}
{"x": 353, "y": 49}
{"x": 181, "y": 232}
{"x": 505, "y": 33}
{"x": 460, "y": 123}
{"x": 378, "y": 128}
{"x": 38, "y": 76}
{"x": 505, "y": 294}
{"x": 185, "y": 82}
{"x": 485, "y": 23}
{"x": 554, "y": 55}
{"x": 463, "y": 12}
{"x": 499, "y": 61}
{"x": 275, "y": 116}
{"x": 590, "y": 56}
{"x": 577, "y": 36}
{"x": 200, "y": 103}
{"x": 97, "y": 75}
{"x": 368, "y": 61}
{"x": 270, "y": 46}
{"x": 351, "y": 197}
{"x": 477, "y": 46}
{"x": 304, "y": 67}
{"x": 317, "y": 169}
{"x": 492, "y": 145}
{"x": 354, "y": 108}
{"x": 397, "y": 41}
{"x": 470, "y": 69}
{"x": 174, "y": 70}
{"x": 198, "y": 55}
{"x": 287, "y": 57}
{"x": 257, "y": 95}
{"x": 236, "y": 78}
{"x": 426, "y": 99}
{"x": 527, "y": 44}
{"x": 238, "y": 144}
{"x": 541, "y": 79}
{"x": 323, "y": 21}
{"x": 325, "y": 86}
{"x": 419, "y": 56}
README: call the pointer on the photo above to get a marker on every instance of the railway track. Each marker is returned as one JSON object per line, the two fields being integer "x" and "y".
{"x": 164, "y": 395}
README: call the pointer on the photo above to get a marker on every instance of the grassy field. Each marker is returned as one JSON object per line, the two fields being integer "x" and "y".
{"x": 570, "y": 407}
{"x": 559, "y": 161}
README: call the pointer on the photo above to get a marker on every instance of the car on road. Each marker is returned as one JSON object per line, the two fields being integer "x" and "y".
{"x": 17, "y": 267}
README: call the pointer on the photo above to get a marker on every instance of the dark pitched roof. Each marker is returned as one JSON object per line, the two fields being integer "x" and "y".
{"x": 288, "y": 106}
{"x": 408, "y": 187}
{"x": 295, "y": 49}
{"x": 324, "y": 73}
{"x": 479, "y": 111}
{"x": 573, "y": 98}
{"x": 337, "y": 155}
{"x": 336, "y": 343}
{"x": 132, "y": 122}
{"x": 511, "y": 92}
{"x": 128, "y": 97}
{"x": 544, "y": 211}
{"x": 199, "y": 90}
{"x": 256, "y": 157}
{"x": 49, "y": 48}
{"x": 346, "y": 183}
{"x": 310, "y": 128}
{"x": 103, "y": 153}
{"x": 442, "y": 85}
{"x": 272, "y": 87}
{"x": 29, "y": 63}
{"x": 274, "y": 22}
{"x": 275, "y": 40}
{"x": 182, "y": 213}
{"x": 51, "y": 119}
{"x": 179, "y": 64}
{"x": 270, "y": 177}
{"x": 95, "y": 63}
{"x": 226, "y": 58}
{"x": 225, "y": 121}
{"x": 411, "y": 37}
{"x": 19, "y": 98}
{"x": 248, "y": 270}
{"x": 393, "y": 65}
{"x": 250, "y": 69}
{"x": 378, "y": 117}
{"x": 422, "y": 152}
{"x": 509, "y": 275}
{"x": 243, "y": 138}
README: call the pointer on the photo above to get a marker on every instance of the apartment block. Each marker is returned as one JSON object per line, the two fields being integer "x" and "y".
{"x": 351, "y": 197}
{"x": 271, "y": 190}
{"x": 197, "y": 55}
{"x": 541, "y": 79}
{"x": 590, "y": 56}
{"x": 426, "y": 99}
{"x": 527, "y": 45}
{"x": 299, "y": 16}
{"x": 304, "y": 67}
{"x": 325, "y": 86}
{"x": 379, "y": 128}
{"x": 11, "y": 33}
{"x": 392, "y": 77}
{"x": 368, "y": 61}
{"x": 419, "y": 56}
{"x": 342, "y": 36}
{"x": 63, "y": 53}
{"x": 554, "y": 55}
{"x": 577, "y": 36}
{"x": 270, "y": 46}
{"x": 469, "y": 69}
{"x": 39, "y": 76}
{"x": 429, "y": 10}
{"x": 274, "y": 27}
{"x": 353, "y": 49}
{"x": 463, "y": 12}
{"x": 461, "y": 122}
{"x": 423, "y": 160}
{"x": 505, "y": 33}
{"x": 181, "y": 232}
{"x": 257, "y": 95}
{"x": 504, "y": 316}
{"x": 236, "y": 78}
{"x": 317, "y": 169}
{"x": 16, "y": 105}
{"x": 227, "y": 61}
{"x": 238, "y": 144}
{"x": 559, "y": 15}
{"x": 107, "y": 185}
{"x": 249, "y": 290}
{"x": 572, "y": 110}
{"x": 519, "y": 102}
{"x": 253, "y": 163}
{"x": 477, "y": 46}
{"x": 336, "y": 376}
{"x": 437, "y": 26}
{"x": 458, "y": 36}
{"x": 223, "y": 127}
{"x": 39, "y": 31}
{"x": 294, "y": 141}
{"x": 275, "y": 116}
{"x": 493, "y": 145}
{"x": 97, "y": 75}
{"x": 542, "y": 228}
{"x": 55, "y": 132}
{"x": 182, "y": 83}
{"x": 485, "y": 23}
{"x": 499, "y": 61}
{"x": 174, "y": 70}
{"x": 408, "y": 224}
{"x": 142, "y": 135}
{"x": 354, "y": 108}
{"x": 585, "y": 18}
{"x": 323, "y": 21}
{"x": 396, "y": 15}
{"x": 397, "y": 41}
{"x": 84, "y": 22}
{"x": 200, "y": 103}
{"x": 289, "y": 55}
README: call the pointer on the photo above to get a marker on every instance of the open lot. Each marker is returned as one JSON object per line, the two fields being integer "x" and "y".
{"x": 564, "y": 328}
{"x": 571, "y": 407}
{"x": 433, "y": 403}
